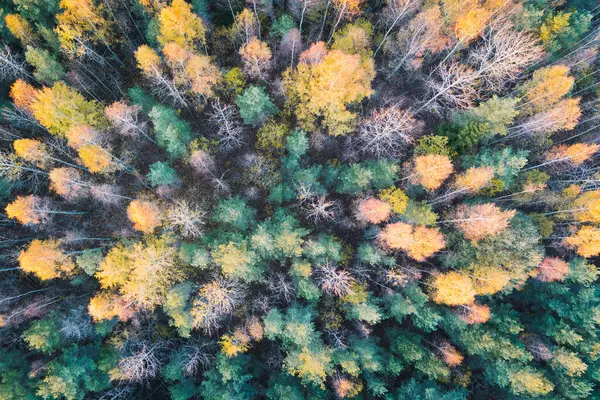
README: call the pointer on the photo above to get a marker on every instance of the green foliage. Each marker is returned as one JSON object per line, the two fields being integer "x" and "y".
{"x": 464, "y": 137}
{"x": 507, "y": 163}
{"x": 161, "y": 173}
{"x": 434, "y": 144}
{"x": 177, "y": 307}
{"x": 43, "y": 335}
{"x": 47, "y": 69}
{"x": 558, "y": 36}
{"x": 172, "y": 133}
{"x": 255, "y": 105}
{"x": 89, "y": 260}
{"x": 234, "y": 212}
{"x": 282, "y": 25}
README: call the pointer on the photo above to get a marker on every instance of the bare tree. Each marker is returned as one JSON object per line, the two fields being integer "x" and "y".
{"x": 394, "y": 13}
{"x": 455, "y": 88}
{"x": 126, "y": 119}
{"x": 387, "y": 132}
{"x": 187, "y": 219}
{"x": 290, "y": 47}
{"x": 77, "y": 325}
{"x": 224, "y": 119}
{"x": 502, "y": 55}
{"x": 282, "y": 287}
{"x": 319, "y": 209}
{"x": 335, "y": 280}
{"x": 142, "y": 364}
{"x": 11, "y": 66}
{"x": 214, "y": 302}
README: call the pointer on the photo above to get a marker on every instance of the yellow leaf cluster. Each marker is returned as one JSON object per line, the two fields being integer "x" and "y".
{"x": 576, "y": 154}
{"x": 95, "y": 159}
{"x": 31, "y": 150}
{"x": 418, "y": 242}
{"x": 373, "y": 210}
{"x": 23, "y": 209}
{"x": 481, "y": 220}
{"x": 431, "y": 170}
{"x": 474, "y": 179}
{"x": 23, "y": 94}
{"x": 586, "y": 240}
{"x": 44, "y": 259}
{"x": 547, "y": 86}
{"x": 179, "y": 24}
{"x": 452, "y": 289}
{"x": 145, "y": 215}
{"x": 588, "y": 207}
{"x": 396, "y": 199}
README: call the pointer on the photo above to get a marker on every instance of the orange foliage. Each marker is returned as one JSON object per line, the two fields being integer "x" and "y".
{"x": 552, "y": 269}
{"x": 481, "y": 220}
{"x": 475, "y": 313}
{"x": 373, "y": 210}
{"x": 256, "y": 57}
{"x": 203, "y": 74}
{"x": 66, "y": 182}
{"x": 588, "y": 207}
{"x": 23, "y": 94}
{"x": 586, "y": 240}
{"x": 474, "y": 179}
{"x": 95, "y": 158}
{"x": 44, "y": 259}
{"x": 31, "y": 150}
{"x": 346, "y": 388}
{"x": 145, "y": 215}
{"x": 81, "y": 135}
{"x": 419, "y": 242}
{"x": 450, "y": 355}
{"x": 431, "y": 170}
{"x": 348, "y": 8}
{"x": 107, "y": 306}
{"x": 314, "y": 54}
{"x": 576, "y": 154}
{"x": 452, "y": 289}
{"x": 24, "y": 210}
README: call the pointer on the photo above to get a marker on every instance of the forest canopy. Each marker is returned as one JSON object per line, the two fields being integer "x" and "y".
{"x": 299, "y": 199}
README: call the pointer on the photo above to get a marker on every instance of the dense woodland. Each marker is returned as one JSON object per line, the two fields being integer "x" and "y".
{"x": 299, "y": 199}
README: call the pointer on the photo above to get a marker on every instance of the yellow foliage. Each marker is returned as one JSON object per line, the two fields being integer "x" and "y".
{"x": 95, "y": 159}
{"x": 147, "y": 60}
{"x": 81, "y": 135}
{"x": 323, "y": 90}
{"x": 529, "y": 383}
{"x": 23, "y": 209}
{"x": 107, "y": 306}
{"x": 145, "y": 215}
{"x": 23, "y": 94}
{"x": 60, "y": 107}
{"x": 31, "y": 150}
{"x": 82, "y": 21}
{"x": 431, "y": 170}
{"x": 470, "y": 24}
{"x": 348, "y": 8}
{"x": 44, "y": 259}
{"x": 256, "y": 57}
{"x": 310, "y": 366}
{"x": 232, "y": 346}
{"x": 419, "y": 242}
{"x": 588, "y": 207}
{"x": 569, "y": 362}
{"x": 179, "y": 24}
{"x": 232, "y": 258}
{"x": 66, "y": 182}
{"x": 553, "y": 26}
{"x": 396, "y": 199}
{"x": 452, "y": 289}
{"x": 475, "y": 313}
{"x": 450, "y": 355}
{"x": 203, "y": 74}
{"x": 586, "y": 240}
{"x": 474, "y": 179}
{"x": 576, "y": 154}
{"x": 547, "y": 86}
{"x": 20, "y": 28}
{"x": 488, "y": 280}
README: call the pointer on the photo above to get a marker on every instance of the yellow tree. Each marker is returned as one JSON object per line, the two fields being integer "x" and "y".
{"x": 449, "y": 354}
{"x": 418, "y": 242}
{"x": 586, "y": 240}
{"x": 488, "y": 279}
{"x": 81, "y": 135}
{"x": 60, "y": 107}
{"x": 141, "y": 273}
{"x": 474, "y": 313}
{"x": 82, "y": 21}
{"x": 20, "y": 28}
{"x": 481, "y": 220}
{"x": 452, "y": 289}
{"x": 547, "y": 86}
{"x": 474, "y": 179}
{"x": 96, "y": 159}
{"x": 32, "y": 150}
{"x": 325, "y": 88}
{"x": 179, "y": 24}
{"x": 44, "y": 259}
{"x": 23, "y": 95}
{"x": 575, "y": 154}
{"x": 105, "y": 306}
{"x": 396, "y": 198}
{"x": 145, "y": 215}
{"x": 470, "y": 23}
{"x": 430, "y": 170}
{"x": 373, "y": 210}
{"x": 26, "y": 210}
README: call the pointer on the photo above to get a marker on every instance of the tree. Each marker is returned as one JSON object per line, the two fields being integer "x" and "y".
{"x": 47, "y": 69}
{"x": 28, "y": 210}
{"x": 32, "y": 150}
{"x": 311, "y": 366}
{"x": 68, "y": 182}
{"x": 213, "y": 302}
{"x": 453, "y": 289}
{"x": 229, "y": 131}
{"x": 573, "y": 155}
{"x": 586, "y": 240}
{"x": 81, "y": 22}
{"x": 186, "y": 218}
{"x": 255, "y": 105}
{"x": 387, "y": 133}
{"x": 418, "y": 242}
{"x": 482, "y": 220}
{"x": 145, "y": 215}
{"x": 23, "y": 95}
{"x": 396, "y": 199}
{"x": 179, "y": 24}
{"x": 552, "y": 269}
{"x": 60, "y": 108}
{"x": 20, "y": 28}
{"x": 547, "y": 86}
{"x": 43, "y": 335}
{"x": 256, "y": 58}
{"x": 430, "y": 170}
{"x": 325, "y": 88}
{"x": 126, "y": 119}
{"x": 96, "y": 159}
{"x": 140, "y": 272}
{"x": 161, "y": 173}
{"x": 563, "y": 30}
{"x": 44, "y": 259}
{"x": 172, "y": 133}
{"x": 373, "y": 211}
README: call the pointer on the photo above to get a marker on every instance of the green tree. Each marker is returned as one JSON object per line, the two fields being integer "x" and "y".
{"x": 172, "y": 133}
{"x": 46, "y": 67}
{"x": 255, "y": 105}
